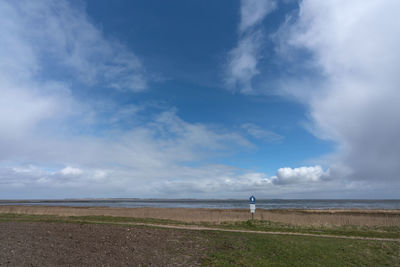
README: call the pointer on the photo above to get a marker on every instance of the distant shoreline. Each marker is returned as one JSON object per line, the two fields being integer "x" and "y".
{"x": 267, "y": 204}
{"x": 190, "y": 199}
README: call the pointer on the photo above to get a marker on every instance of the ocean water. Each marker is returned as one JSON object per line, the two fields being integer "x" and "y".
{"x": 218, "y": 204}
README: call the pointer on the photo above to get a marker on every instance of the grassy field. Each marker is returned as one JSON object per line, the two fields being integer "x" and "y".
{"x": 253, "y": 225}
{"x": 234, "y": 249}
{"x": 250, "y": 249}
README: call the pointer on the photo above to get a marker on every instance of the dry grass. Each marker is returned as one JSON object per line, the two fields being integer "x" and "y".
{"x": 295, "y": 217}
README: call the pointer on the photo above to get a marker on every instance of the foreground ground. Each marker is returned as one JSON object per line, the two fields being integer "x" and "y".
{"x": 49, "y": 240}
{"x": 71, "y": 244}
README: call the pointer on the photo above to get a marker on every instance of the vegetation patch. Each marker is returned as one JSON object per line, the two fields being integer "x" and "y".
{"x": 253, "y": 225}
{"x": 243, "y": 249}
{"x": 346, "y": 230}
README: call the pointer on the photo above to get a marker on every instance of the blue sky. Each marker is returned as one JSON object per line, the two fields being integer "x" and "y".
{"x": 186, "y": 43}
{"x": 202, "y": 99}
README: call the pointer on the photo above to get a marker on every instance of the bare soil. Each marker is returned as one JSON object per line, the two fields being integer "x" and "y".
{"x": 70, "y": 244}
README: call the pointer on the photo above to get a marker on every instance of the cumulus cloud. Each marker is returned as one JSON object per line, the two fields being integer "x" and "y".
{"x": 343, "y": 63}
{"x": 241, "y": 66}
{"x": 300, "y": 175}
{"x": 354, "y": 47}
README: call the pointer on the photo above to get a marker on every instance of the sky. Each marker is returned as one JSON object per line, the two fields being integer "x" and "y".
{"x": 199, "y": 99}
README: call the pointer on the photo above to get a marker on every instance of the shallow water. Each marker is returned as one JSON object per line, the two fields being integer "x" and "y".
{"x": 218, "y": 204}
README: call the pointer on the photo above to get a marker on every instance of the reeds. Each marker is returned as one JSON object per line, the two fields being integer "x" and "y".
{"x": 295, "y": 217}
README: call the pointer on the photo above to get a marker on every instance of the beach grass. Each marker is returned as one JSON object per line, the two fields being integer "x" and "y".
{"x": 384, "y": 218}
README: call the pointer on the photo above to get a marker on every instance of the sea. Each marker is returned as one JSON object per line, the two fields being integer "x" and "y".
{"x": 217, "y": 203}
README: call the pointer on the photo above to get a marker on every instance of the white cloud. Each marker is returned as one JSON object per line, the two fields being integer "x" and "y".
{"x": 100, "y": 174}
{"x": 40, "y": 40}
{"x": 71, "y": 171}
{"x": 300, "y": 175}
{"x": 242, "y": 63}
{"x": 173, "y": 181}
{"x": 349, "y": 83}
{"x": 241, "y": 66}
{"x": 253, "y": 12}
{"x": 122, "y": 162}
{"x": 356, "y": 105}
{"x": 260, "y": 133}
{"x": 40, "y": 34}
{"x": 354, "y": 45}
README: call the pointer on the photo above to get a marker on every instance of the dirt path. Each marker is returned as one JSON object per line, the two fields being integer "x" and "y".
{"x": 201, "y": 228}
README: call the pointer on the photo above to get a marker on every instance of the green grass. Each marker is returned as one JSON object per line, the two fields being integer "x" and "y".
{"x": 81, "y": 219}
{"x": 349, "y": 230}
{"x": 6, "y": 217}
{"x": 243, "y": 249}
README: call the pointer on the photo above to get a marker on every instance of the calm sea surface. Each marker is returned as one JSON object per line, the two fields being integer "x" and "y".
{"x": 218, "y": 204}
